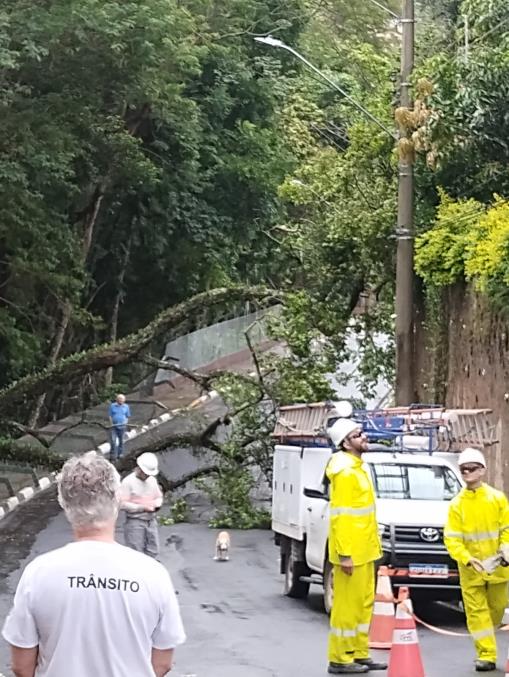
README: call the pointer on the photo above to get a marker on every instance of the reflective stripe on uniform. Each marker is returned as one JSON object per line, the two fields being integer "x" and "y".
{"x": 479, "y": 536}
{"x": 453, "y": 534}
{"x": 341, "y": 632}
{"x": 479, "y": 634}
{"x": 482, "y": 536}
{"x": 353, "y": 511}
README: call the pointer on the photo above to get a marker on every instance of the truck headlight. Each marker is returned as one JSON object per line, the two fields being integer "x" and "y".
{"x": 383, "y": 530}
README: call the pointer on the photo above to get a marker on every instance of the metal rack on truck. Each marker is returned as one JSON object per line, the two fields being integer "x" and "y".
{"x": 441, "y": 429}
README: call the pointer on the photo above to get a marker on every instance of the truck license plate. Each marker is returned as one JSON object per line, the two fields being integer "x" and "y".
{"x": 428, "y": 570}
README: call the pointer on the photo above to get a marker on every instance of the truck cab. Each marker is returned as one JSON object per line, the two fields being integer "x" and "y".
{"x": 413, "y": 491}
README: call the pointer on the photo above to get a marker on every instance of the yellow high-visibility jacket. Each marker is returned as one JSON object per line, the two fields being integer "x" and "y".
{"x": 477, "y": 525}
{"x": 353, "y": 530}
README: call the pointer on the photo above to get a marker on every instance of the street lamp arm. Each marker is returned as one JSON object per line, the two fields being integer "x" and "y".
{"x": 273, "y": 42}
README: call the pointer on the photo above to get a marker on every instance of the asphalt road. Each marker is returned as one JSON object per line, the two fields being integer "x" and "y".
{"x": 237, "y": 622}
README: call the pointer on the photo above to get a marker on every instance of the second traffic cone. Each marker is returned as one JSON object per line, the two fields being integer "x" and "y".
{"x": 405, "y": 658}
{"x": 382, "y": 623}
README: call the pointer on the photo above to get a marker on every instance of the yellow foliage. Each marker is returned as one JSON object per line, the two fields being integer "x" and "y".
{"x": 488, "y": 247}
{"x": 440, "y": 252}
{"x": 468, "y": 241}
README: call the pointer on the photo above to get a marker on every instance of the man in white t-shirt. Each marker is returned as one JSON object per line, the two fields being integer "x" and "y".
{"x": 141, "y": 497}
{"x": 93, "y": 608}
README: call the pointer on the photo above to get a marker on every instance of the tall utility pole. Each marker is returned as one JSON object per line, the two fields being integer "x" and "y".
{"x": 405, "y": 353}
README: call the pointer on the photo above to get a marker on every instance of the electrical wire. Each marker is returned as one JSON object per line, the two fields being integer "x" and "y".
{"x": 492, "y": 30}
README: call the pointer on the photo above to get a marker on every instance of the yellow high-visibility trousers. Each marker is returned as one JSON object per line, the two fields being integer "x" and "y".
{"x": 352, "y": 608}
{"x": 484, "y": 609}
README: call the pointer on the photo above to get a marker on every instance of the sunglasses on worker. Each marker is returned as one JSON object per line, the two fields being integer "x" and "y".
{"x": 355, "y": 436}
{"x": 469, "y": 469}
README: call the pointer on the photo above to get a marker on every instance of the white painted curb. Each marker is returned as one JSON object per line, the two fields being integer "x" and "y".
{"x": 11, "y": 503}
{"x": 27, "y": 493}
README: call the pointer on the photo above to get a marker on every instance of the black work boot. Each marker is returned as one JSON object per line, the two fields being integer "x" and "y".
{"x": 346, "y": 668}
{"x": 372, "y": 665}
{"x": 485, "y": 666}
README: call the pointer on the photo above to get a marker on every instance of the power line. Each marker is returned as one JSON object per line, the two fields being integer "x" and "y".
{"x": 492, "y": 30}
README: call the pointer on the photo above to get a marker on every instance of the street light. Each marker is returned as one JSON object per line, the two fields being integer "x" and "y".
{"x": 274, "y": 42}
{"x": 404, "y": 329}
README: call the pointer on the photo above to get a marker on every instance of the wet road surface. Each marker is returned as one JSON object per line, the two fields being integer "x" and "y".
{"x": 238, "y": 623}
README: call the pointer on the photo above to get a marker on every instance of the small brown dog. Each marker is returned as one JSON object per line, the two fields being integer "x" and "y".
{"x": 222, "y": 547}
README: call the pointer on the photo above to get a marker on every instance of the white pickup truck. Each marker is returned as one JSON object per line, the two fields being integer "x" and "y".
{"x": 413, "y": 491}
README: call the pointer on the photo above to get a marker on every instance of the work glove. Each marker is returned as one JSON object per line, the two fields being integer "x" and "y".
{"x": 491, "y": 563}
{"x": 504, "y": 553}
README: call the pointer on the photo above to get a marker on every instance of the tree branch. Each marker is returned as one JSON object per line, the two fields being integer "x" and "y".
{"x": 27, "y": 430}
{"x": 203, "y": 380}
{"x": 189, "y": 477}
{"x": 129, "y": 348}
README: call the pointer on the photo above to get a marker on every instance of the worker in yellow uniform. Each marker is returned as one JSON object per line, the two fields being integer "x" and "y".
{"x": 354, "y": 545}
{"x": 477, "y": 527}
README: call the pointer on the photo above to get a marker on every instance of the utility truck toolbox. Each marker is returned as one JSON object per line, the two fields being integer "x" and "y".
{"x": 412, "y": 462}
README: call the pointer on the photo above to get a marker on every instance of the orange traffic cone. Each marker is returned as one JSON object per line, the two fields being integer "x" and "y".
{"x": 382, "y": 623}
{"x": 405, "y": 658}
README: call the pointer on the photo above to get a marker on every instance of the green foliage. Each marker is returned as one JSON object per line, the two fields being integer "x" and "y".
{"x": 127, "y": 127}
{"x": 108, "y": 394}
{"x": 231, "y": 490}
{"x": 179, "y": 512}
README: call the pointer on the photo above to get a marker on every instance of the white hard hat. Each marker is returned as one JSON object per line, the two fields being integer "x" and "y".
{"x": 341, "y": 429}
{"x": 343, "y": 408}
{"x": 471, "y": 455}
{"x": 147, "y": 462}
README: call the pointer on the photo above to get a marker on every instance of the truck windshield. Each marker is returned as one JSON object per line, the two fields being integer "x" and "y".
{"x": 418, "y": 482}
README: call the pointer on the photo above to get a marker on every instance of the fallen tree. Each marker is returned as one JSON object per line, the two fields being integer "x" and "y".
{"x": 129, "y": 348}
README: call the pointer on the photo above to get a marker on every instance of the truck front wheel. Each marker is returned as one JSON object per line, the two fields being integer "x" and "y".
{"x": 293, "y": 587}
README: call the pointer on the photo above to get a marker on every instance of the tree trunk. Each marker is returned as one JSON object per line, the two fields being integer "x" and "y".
{"x": 65, "y": 312}
{"x": 108, "y": 379}
{"x": 89, "y": 216}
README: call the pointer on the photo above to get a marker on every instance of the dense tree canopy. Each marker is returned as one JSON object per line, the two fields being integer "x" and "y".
{"x": 149, "y": 151}
{"x": 128, "y": 129}
{"x": 153, "y": 150}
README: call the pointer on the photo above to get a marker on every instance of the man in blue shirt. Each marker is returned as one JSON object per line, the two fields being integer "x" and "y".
{"x": 119, "y": 418}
